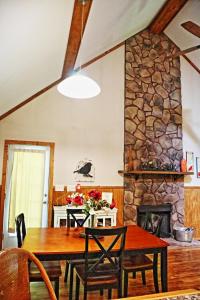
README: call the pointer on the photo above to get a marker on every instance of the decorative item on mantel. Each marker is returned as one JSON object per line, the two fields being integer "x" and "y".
{"x": 156, "y": 165}
{"x": 183, "y": 165}
{"x": 190, "y": 161}
{"x": 198, "y": 166}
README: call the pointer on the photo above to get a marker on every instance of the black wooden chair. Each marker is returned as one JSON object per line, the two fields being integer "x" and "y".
{"x": 106, "y": 271}
{"x": 140, "y": 263}
{"x": 79, "y": 216}
{"x": 52, "y": 268}
{"x": 75, "y": 217}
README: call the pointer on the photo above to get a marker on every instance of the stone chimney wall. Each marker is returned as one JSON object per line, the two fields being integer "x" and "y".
{"x": 153, "y": 123}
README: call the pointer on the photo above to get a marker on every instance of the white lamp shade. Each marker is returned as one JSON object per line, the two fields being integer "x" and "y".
{"x": 79, "y": 87}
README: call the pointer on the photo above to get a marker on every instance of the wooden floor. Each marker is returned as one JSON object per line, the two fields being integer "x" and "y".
{"x": 183, "y": 273}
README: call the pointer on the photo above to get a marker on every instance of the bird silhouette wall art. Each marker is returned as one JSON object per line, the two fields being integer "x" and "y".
{"x": 84, "y": 171}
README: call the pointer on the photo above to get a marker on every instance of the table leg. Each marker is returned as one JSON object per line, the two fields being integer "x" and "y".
{"x": 164, "y": 269}
{"x": 71, "y": 281}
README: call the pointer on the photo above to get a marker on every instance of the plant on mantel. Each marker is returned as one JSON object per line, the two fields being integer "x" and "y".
{"x": 155, "y": 167}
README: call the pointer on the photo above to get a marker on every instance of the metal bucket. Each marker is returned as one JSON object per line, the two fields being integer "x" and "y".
{"x": 184, "y": 234}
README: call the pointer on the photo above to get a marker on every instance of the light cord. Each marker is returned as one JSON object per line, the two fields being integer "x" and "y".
{"x": 82, "y": 15}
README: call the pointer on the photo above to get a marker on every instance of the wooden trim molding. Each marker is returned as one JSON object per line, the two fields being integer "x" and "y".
{"x": 185, "y": 51}
{"x": 3, "y": 184}
{"x": 9, "y": 112}
{"x": 166, "y": 15}
{"x": 192, "y": 187}
{"x": 100, "y": 56}
{"x": 191, "y": 63}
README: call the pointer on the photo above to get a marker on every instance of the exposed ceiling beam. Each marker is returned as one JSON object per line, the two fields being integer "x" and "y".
{"x": 58, "y": 81}
{"x": 78, "y": 24}
{"x": 77, "y": 28}
{"x": 165, "y": 15}
{"x": 79, "y": 20}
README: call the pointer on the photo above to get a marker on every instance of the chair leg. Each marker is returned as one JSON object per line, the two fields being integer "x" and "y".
{"x": 66, "y": 271}
{"x": 109, "y": 293}
{"x": 56, "y": 287}
{"x": 155, "y": 273}
{"x": 125, "y": 284}
{"x": 71, "y": 279}
{"x": 134, "y": 275}
{"x": 143, "y": 277}
{"x": 119, "y": 290}
{"x": 85, "y": 293}
{"x": 77, "y": 287}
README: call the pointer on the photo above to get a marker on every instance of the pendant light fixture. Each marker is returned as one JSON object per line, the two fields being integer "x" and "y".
{"x": 78, "y": 85}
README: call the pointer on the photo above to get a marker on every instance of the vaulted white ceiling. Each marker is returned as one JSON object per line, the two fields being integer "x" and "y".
{"x": 180, "y": 36}
{"x": 34, "y": 35}
{"x": 33, "y": 38}
{"x": 111, "y": 22}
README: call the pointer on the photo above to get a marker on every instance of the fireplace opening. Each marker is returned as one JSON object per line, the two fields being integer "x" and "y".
{"x": 155, "y": 219}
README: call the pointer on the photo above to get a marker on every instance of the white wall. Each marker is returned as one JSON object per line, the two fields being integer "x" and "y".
{"x": 33, "y": 37}
{"x": 190, "y": 81}
{"x": 92, "y": 129}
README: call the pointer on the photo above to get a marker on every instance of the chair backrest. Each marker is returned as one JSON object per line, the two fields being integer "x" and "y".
{"x": 79, "y": 216}
{"x": 20, "y": 229}
{"x": 14, "y": 274}
{"x": 117, "y": 239}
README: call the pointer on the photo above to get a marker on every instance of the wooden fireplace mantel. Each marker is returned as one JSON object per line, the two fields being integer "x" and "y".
{"x": 152, "y": 172}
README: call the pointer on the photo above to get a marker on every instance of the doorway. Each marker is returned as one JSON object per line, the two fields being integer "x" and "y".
{"x": 26, "y": 186}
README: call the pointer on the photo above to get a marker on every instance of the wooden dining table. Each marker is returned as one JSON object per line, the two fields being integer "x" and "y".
{"x": 66, "y": 243}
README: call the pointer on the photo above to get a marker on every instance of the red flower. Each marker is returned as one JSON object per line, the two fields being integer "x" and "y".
{"x": 95, "y": 194}
{"x": 112, "y": 205}
{"x": 78, "y": 200}
{"x": 68, "y": 200}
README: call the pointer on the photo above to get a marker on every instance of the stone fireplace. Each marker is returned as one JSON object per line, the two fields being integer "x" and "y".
{"x": 153, "y": 124}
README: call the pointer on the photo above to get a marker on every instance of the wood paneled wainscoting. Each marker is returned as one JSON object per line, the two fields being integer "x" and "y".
{"x": 59, "y": 198}
{"x": 191, "y": 199}
{"x": 192, "y": 208}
